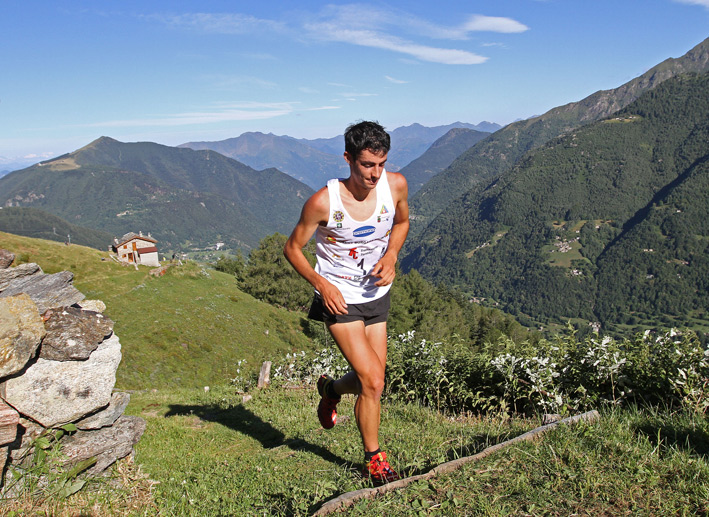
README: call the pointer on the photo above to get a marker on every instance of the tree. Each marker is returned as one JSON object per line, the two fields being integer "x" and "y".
{"x": 269, "y": 277}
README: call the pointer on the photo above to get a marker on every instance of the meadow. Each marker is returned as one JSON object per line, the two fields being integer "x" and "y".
{"x": 217, "y": 445}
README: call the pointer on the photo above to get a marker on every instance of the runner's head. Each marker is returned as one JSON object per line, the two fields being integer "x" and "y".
{"x": 366, "y": 135}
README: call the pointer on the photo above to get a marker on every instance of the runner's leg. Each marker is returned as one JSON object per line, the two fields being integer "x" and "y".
{"x": 365, "y": 350}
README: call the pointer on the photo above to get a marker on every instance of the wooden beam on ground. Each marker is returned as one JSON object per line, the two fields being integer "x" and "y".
{"x": 348, "y": 499}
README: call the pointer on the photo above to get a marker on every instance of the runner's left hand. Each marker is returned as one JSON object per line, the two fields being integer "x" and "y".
{"x": 385, "y": 269}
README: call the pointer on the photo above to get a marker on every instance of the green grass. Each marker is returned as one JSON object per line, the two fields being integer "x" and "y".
{"x": 628, "y": 463}
{"x": 211, "y": 453}
{"x": 189, "y": 327}
{"x": 214, "y": 455}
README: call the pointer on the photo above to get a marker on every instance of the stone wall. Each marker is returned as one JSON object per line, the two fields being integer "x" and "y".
{"x": 58, "y": 361}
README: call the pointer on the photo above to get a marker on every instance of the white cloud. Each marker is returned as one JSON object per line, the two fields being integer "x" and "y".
{"x": 230, "y": 82}
{"x": 703, "y": 3}
{"x": 226, "y": 113}
{"x": 308, "y": 90}
{"x": 493, "y": 24}
{"x": 474, "y": 23}
{"x": 369, "y": 38}
{"x": 398, "y": 31}
{"x": 388, "y": 29}
{"x": 221, "y": 23}
{"x": 395, "y": 81}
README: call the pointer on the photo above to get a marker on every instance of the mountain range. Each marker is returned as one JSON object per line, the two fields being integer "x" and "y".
{"x": 592, "y": 212}
{"x": 185, "y": 198}
{"x": 439, "y": 156}
{"x": 584, "y": 215}
{"x": 501, "y": 150}
{"x": 315, "y": 161}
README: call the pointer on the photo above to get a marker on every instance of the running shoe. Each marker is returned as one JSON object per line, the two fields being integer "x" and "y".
{"x": 379, "y": 471}
{"x": 327, "y": 409}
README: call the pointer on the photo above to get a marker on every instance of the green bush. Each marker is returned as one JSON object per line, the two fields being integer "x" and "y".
{"x": 561, "y": 375}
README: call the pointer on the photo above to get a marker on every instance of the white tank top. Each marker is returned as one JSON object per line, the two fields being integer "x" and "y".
{"x": 348, "y": 249}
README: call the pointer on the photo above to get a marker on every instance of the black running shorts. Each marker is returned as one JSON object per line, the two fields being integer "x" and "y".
{"x": 372, "y": 312}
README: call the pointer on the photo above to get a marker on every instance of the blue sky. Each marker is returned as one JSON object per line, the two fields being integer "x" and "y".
{"x": 182, "y": 70}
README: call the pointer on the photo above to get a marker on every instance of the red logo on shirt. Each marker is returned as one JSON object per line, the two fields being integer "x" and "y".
{"x": 353, "y": 253}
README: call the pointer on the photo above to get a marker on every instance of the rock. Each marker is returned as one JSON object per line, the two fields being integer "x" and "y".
{"x": 108, "y": 444}
{"x": 4, "y": 453}
{"x": 27, "y": 432}
{"x": 92, "y": 305}
{"x": 6, "y": 258}
{"x": 9, "y": 418}
{"x": 73, "y": 333}
{"x": 47, "y": 291}
{"x": 7, "y": 275}
{"x": 21, "y": 331}
{"x": 57, "y": 392}
{"x": 106, "y": 416}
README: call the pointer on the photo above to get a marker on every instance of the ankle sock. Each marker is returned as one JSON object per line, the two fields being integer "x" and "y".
{"x": 369, "y": 455}
{"x": 330, "y": 390}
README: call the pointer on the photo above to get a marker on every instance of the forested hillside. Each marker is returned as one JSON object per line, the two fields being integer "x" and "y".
{"x": 501, "y": 150}
{"x": 605, "y": 224}
{"x": 185, "y": 198}
{"x": 287, "y": 154}
{"x": 32, "y": 222}
{"x": 439, "y": 156}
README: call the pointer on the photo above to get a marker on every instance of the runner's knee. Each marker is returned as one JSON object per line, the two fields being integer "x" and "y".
{"x": 372, "y": 383}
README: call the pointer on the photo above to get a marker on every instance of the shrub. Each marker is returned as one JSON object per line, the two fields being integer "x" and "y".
{"x": 558, "y": 375}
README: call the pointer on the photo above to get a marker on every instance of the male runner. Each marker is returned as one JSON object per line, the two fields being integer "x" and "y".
{"x": 360, "y": 224}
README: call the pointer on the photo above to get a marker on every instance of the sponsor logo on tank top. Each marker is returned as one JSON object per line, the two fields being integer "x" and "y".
{"x": 363, "y": 231}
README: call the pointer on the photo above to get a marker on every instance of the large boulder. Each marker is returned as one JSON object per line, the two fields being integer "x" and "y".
{"x": 57, "y": 392}
{"x": 47, "y": 291}
{"x": 72, "y": 333}
{"x": 21, "y": 331}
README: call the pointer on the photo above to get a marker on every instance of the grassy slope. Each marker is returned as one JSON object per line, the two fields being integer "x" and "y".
{"x": 186, "y": 328}
{"x": 214, "y": 455}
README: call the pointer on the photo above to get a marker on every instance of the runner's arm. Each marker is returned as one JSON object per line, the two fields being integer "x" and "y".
{"x": 385, "y": 269}
{"x": 315, "y": 212}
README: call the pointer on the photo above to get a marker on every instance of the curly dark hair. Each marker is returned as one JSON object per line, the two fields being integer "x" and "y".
{"x": 366, "y": 135}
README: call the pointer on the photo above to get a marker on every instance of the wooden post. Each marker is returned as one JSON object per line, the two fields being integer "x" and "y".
{"x": 264, "y": 377}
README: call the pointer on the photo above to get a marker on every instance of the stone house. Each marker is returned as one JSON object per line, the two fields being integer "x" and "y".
{"x": 137, "y": 249}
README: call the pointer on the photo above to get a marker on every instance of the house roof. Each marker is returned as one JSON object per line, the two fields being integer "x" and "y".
{"x": 130, "y": 236}
{"x": 143, "y": 251}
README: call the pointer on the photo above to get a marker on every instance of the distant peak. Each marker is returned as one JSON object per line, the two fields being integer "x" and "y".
{"x": 99, "y": 141}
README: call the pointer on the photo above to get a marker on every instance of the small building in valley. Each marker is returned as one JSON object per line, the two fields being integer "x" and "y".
{"x": 137, "y": 249}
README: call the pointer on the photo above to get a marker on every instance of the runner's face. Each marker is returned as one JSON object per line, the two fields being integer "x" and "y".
{"x": 367, "y": 168}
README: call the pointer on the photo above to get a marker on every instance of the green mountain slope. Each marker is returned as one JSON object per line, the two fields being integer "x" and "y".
{"x": 543, "y": 238}
{"x": 439, "y": 156}
{"x": 188, "y": 328}
{"x": 295, "y": 158}
{"x": 501, "y": 150}
{"x": 39, "y": 224}
{"x": 183, "y": 197}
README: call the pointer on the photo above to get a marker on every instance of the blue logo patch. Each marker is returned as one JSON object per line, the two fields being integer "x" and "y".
{"x": 363, "y": 231}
